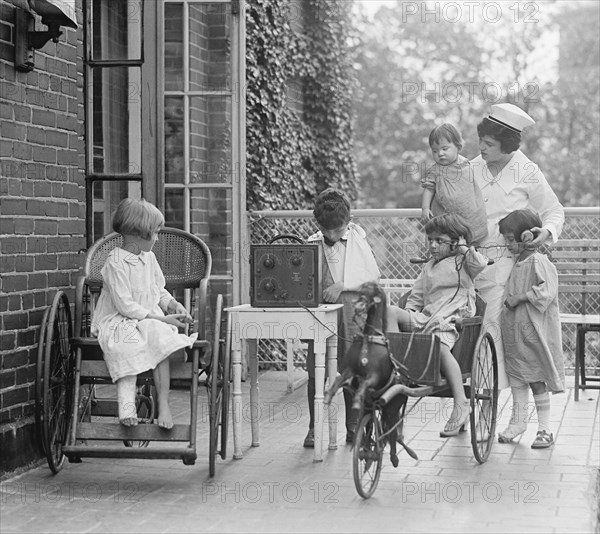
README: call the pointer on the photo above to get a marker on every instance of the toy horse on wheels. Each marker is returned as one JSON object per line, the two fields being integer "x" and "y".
{"x": 369, "y": 368}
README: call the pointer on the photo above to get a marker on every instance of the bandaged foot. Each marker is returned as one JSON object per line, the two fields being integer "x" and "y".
{"x": 126, "y": 400}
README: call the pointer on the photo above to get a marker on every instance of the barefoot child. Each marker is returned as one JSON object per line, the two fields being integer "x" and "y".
{"x": 531, "y": 332}
{"x": 129, "y": 320}
{"x": 444, "y": 291}
{"x": 449, "y": 186}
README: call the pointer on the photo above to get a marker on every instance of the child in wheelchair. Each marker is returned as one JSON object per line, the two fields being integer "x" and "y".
{"x": 443, "y": 292}
{"x": 130, "y": 323}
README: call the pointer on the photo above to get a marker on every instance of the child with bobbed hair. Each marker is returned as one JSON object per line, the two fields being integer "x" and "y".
{"x": 443, "y": 292}
{"x": 531, "y": 329}
{"x": 129, "y": 321}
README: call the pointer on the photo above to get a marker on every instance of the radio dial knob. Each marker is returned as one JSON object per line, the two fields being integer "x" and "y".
{"x": 269, "y": 262}
{"x": 269, "y": 287}
{"x": 296, "y": 260}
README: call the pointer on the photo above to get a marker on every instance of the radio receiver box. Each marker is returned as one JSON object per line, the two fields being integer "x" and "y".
{"x": 285, "y": 275}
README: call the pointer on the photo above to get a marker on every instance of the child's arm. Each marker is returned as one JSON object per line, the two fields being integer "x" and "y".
{"x": 167, "y": 302}
{"x": 416, "y": 299}
{"x": 426, "y": 199}
{"x": 428, "y": 183}
{"x": 118, "y": 286}
{"x": 543, "y": 291}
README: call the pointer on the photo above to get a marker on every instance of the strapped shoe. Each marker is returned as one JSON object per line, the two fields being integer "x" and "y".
{"x": 453, "y": 427}
{"x": 510, "y": 432}
{"x": 309, "y": 440}
{"x": 543, "y": 440}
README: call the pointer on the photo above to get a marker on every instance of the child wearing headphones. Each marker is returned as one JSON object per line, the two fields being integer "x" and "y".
{"x": 531, "y": 331}
{"x": 443, "y": 292}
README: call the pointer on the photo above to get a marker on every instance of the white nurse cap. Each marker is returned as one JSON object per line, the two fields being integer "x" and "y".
{"x": 510, "y": 116}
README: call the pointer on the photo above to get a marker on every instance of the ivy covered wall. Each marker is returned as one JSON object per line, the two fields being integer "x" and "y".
{"x": 299, "y": 97}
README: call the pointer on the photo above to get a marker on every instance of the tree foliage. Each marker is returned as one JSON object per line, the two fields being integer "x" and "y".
{"x": 418, "y": 71}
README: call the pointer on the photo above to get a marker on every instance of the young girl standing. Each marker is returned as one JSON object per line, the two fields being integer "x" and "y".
{"x": 129, "y": 320}
{"x": 443, "y": 292}
{"x": 449, "y": 186}
{"x": 531, "y": 331}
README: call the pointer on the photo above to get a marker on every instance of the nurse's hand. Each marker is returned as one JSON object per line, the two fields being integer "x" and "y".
{"x": 541, "y": 235}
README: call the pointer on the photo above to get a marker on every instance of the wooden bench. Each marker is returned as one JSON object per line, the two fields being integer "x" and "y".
{"x": 578, "y": 265}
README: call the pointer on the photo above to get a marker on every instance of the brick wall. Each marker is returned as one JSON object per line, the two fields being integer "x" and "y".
{"x": 42, "y": 213}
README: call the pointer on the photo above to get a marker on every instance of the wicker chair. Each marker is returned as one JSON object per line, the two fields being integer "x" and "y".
{"x": 186, "y": 264}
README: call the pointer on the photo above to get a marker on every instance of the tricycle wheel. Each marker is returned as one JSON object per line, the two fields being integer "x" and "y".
{"x": 57, "y": 386}
{"x": 484, "y": 398}
{"x": 368, "y": 454}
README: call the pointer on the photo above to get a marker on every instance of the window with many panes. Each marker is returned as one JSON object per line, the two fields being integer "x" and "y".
{"x": 164, "y": 116}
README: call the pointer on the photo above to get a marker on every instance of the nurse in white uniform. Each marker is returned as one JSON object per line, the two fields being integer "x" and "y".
{"x": 508, "y": 181}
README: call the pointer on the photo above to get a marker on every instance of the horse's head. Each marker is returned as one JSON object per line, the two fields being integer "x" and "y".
{"x": 369, "y": 309}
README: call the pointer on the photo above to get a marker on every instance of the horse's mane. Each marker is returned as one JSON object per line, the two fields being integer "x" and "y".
{"x": 373, "y": 290}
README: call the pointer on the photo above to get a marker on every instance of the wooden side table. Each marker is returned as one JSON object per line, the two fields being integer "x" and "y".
{"x": 250, "y": 324}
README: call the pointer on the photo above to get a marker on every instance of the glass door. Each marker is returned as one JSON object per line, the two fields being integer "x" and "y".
{"x": 203, "y": 130}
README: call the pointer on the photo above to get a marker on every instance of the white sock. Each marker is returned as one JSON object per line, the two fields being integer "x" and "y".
{"x": 520, "y": 406}
{"x": 126, "y": 397}
{"x": 542, "y": 406}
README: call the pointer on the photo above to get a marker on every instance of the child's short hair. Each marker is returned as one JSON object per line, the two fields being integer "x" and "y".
{"x": 448, "y": 224}
{"x": 137, "y": 217}
{"x": 446, "y": 131}
{"x": 518, "y": 221}
{"x": 332, "y": 209}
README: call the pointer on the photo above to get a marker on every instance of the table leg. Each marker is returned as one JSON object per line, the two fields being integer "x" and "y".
{"x": 332, "y": 344}
{"x": 237, "y": 405}
{"x": 254, "y": 390}
{"x": 319, "y": 348}
{"x": 579, "y": 347}
{"x": 289, "y": 349}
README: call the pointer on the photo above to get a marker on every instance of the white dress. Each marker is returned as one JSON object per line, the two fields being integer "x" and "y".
{"x": 134, "y": 286}
{"x": 520, "y": 185}
{"x": 444, "y": 291}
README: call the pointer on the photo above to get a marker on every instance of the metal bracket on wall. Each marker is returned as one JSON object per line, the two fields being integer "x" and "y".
{"x": 24, "y": 54}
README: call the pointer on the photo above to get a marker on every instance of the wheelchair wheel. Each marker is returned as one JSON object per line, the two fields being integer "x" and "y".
{"x": 39, "y": 381}
{"x": 144, "y": 404}
{"x": 367, "y": 454}
{"x": 56, "y": 385}
{"x": 226, "y": 390}
{"x": 218, "y": 383}
{"x": 484, "y": 398}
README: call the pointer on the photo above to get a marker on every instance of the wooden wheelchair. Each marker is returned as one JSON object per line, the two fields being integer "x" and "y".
{"x": 74, "y": 415}
{"x": 417, "y": 355}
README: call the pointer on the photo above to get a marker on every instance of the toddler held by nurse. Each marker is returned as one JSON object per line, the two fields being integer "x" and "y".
{"x": 449, "y": 185}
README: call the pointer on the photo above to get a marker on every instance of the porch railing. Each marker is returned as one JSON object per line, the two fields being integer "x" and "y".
{"x": 396, "y": 235}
